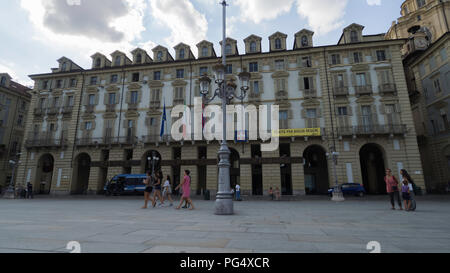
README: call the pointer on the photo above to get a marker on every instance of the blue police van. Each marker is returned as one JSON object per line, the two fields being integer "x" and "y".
{"x": 125, "y": 184}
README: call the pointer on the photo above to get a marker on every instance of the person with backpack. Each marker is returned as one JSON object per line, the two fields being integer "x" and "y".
{"x": 392, "y": 188}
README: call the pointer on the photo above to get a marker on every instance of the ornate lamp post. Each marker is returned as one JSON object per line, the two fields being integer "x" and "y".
{"x": 10, "y": 192}
{"x": 226, "y": 91}
{"x": 338, "y": 196}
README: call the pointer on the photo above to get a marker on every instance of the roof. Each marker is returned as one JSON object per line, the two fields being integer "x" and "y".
{"x": 18, "y": 88}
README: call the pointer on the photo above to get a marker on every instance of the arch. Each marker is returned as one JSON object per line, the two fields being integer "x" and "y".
{"x": 317, "y": 180}
{"x": 150, "y": 164}
{"x": 372, "y": 159}
{"x": 81, "y": 173}
{"x": 44, "y": 176}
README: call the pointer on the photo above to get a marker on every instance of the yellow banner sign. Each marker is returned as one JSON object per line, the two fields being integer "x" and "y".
{"x": 306, "y": 132}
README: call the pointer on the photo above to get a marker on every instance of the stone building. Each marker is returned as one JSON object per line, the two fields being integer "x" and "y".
{"x": 425, "y": 24}
{"x": 91, "y": 124}
{"x": 14, "y": 104}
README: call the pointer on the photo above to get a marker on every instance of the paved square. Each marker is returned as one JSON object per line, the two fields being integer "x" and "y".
{"x": 313, "y": 224}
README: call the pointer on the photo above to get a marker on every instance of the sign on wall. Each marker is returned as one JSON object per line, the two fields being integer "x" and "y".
{"x": 305, "y": 132}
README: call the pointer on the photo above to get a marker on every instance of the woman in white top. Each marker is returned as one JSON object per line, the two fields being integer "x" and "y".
{"x": 167, "y": 190}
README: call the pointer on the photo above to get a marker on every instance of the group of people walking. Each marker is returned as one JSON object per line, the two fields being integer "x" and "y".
{"x": 393, "y": 189}
{"x": 154, "y": 185}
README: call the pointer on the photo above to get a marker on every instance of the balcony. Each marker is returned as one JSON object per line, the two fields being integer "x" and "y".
{"x": 387, "y": 89}
{"x": 340, "y": 91}
{"x": 39, "y": 111}
{"x": 363, "y": 90}
{"x": 89, "y": 141}
{"x": 132, "y": 107}
{"x": 110, "y": 108}
{"x": 89, "y": 109}
{"x": 46, "y": 142}
{"x": 155, "y": 105}
{"x": 53, "y": 111}
{"x": 254, "y": 96}
{"x": 281, "y": 95}
{"x": 310, "y": 93}
{"x": 178, "y": 101}
{"x": 372, "y": 130}
{"x": 67, "y": 110}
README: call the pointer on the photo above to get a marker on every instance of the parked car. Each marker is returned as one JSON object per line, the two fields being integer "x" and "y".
{"x": 125, "y": 184}
{"x": 350, "y": 189}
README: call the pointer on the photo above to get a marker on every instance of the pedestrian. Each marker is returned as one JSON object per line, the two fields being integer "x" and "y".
{"x": 148, "y": 190}
{"x": 157, "y": 189}
{"x": 238, "y": 192}
{"x": 406, "y": 194}
{"x": 29, "y": 191}
{"x": 168, "y": 190}
{"x": 277, "y": 194}
{"x": 411, "y": 186}
{"x": 186, "y": 186}
{"x": 392, "y": 188}
{"x": 271, "y": 193}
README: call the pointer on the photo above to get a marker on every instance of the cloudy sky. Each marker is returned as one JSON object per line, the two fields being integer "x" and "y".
{"x": 35, "y": 33}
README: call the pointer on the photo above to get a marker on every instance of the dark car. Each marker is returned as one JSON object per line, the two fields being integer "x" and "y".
{"x": 350, "y": 189}
{"x": 125, "y": 184}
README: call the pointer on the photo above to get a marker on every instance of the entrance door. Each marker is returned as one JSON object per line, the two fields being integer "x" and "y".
{"x": 257, "y": 177}
{"x": 286, "y": 170}
{"x": 45, "y": 174}
{"x": 373, "y": 169}
{"x": 316, "y": 170}
{"x": 81, "y": 175}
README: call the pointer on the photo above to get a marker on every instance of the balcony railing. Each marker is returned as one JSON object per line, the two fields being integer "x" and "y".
{"x": 46, "y": 142}
{"x": 53, "y": 111}
{"x": 132, "y": 106}
{"x": 387, "y": 88}
{"x": 39, "y": 111}
{"x": 281, "y": 95}
{"x": 178, "y": 101}
{"x": 110, "y": 108}
{"x": 128, "y": 140}
{"x": 373, "y": 130}
{"x": 89, "y": 108}
{"x": 310, "y": 93}
{"x": 363, "y": 90}
{"x": 340, "y": 91}
{"x": 254, "y": 96}
{"x": 66, "y": 110}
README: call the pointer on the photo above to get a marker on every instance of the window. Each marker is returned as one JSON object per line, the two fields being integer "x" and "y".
{"x": 445, "y": 120}
{"x": 433, "y": 124}
{"x": 117, "y": 61}
{"x": 91, "y": 99}
{"x": 55, "y": 101}
{"x": 307, "y": 83}
{"x": 20, "y": 120}
{"x": 179, "y": 93}
{"x": 420, "y": 3}
{"x": 135, "y": 77}
{"x": 256, "y": 87}
{"x": 3, "y": 81}
{"x": 73, "y": 82}
{"x": 70, "y": 101}
{"x": 93, "y": 80}
{"x": 139, "y": 58}
{"x": 306, "y": 61}
{"x": 419, "y": 18}
{"x": 157, "y": 75}
{"x": 229, "y": 69}
{"x": 88, "y": 125}
{"x": 134, "y": 97}
{"x": 23, "y": 105}
{"x": 180, "y": 73}
{"x": 437, "y": 85}
{"x": 41, "y": 103}
{"x": 253, "y": 47}
{"x": 159, "y": 56}
{"x": 342, "y": 111}
{"x": 335, "y": 59}
{"x": 111, "y": 98}
{"x": 253, "y": 67}
{"x": 357, "y": 57}
{"x": 311, "y": 113}
{"x": 205, "y": 51}
{"x": 279, "y": 65}
{"x": 152, "y": 122}
{"x": 182, "y": 54}
{"x": 155, "y": 95}
{"x": 98, "y": 62}
{"x": 64, "y": 67}
{"x": 203, "y": 71}
{"x": 281, "y": 84}
{"x": 305, "y": 41}
{"x": 45, "y": 85}
{"x": 390, "y": 112}
{"x": 340, "y": 80}
{"x": 443, "y": 54}
{"x": 284, "y": 120}
{"x": 228, "y": 49}
{"x": 114, "y": 78}
{"x": 361, "y": 79}
{"x": 432, "y": 62}
{"x": 381, "y": 55}
{"x": 366, "y": 112}
{"x": 278, "y": 43}
{"x": 354, "y": 36}
{"x": 59, "y": 84}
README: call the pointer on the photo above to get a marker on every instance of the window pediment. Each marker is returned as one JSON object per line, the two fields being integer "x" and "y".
{"x": 311, "y": 103}
{"x": 280, "y": 74}
{"x": 134, "y": 86}
{"x": 155, "y": 84}
{"x": 179, "y": 83}
{"x": 112, "y": 88}
{"x": 360, "y": 67}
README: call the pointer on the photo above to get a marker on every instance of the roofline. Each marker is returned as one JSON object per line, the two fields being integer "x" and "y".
{"x": 420, "y": 55}
{"x": 331, "y": 47}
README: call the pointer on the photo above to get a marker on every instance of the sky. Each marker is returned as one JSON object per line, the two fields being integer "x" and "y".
{"x": 36, "y": 33}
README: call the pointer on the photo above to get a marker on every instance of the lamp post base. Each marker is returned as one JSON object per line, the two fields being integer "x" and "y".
{"x": 9, "y": 193}
{"x": 224, "y": 204}
{"x": 338, "y": 196}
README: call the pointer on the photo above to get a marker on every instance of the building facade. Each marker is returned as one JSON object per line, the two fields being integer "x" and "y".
{"x": 425, "y": 24}
{"x": 14, "y": 104}
{"x": 90, "y": 125}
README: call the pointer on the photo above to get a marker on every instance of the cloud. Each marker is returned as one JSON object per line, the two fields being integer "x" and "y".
{"x": 259, "y": 10}
{"x": 186, "y": 24}
{"x": 374, "y": 2}
{"x": 323, "y": 16}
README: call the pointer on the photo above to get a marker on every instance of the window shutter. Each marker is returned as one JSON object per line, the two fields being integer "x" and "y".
{"x": 128, "y": 97}
{"x": 374, "y": 56}
{"x": 398, "y": 108}
{"x": 350, "y": 110}
{"x": 319, "y": 112}
{"x": 354, "y": 79}
{"x": 382, "y": 109}
{"x": 96, "y": 99}
{"x": 301, "y": 82}
{"x": 283, "y": 81}
{"x": 374, "y": 114}
{"x": 312, "y": 83}
{"x": 86, "y": 100}
{"x": 368, "y": 78}
{"x": 330, "y": 59}
{"x": 351, "y": 58}
{"x": 303, "y": 113}
{"x": 105, "y": 98}
{"x": 117, "y": 98}
{"x": 359, "y": 113}
{"x": 261, "y": 86}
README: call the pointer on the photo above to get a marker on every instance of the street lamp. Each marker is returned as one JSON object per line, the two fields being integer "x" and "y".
{"x": 10, "y": 192}
{"x": 338, "y": 196}
{"x": 226, "y": 91}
